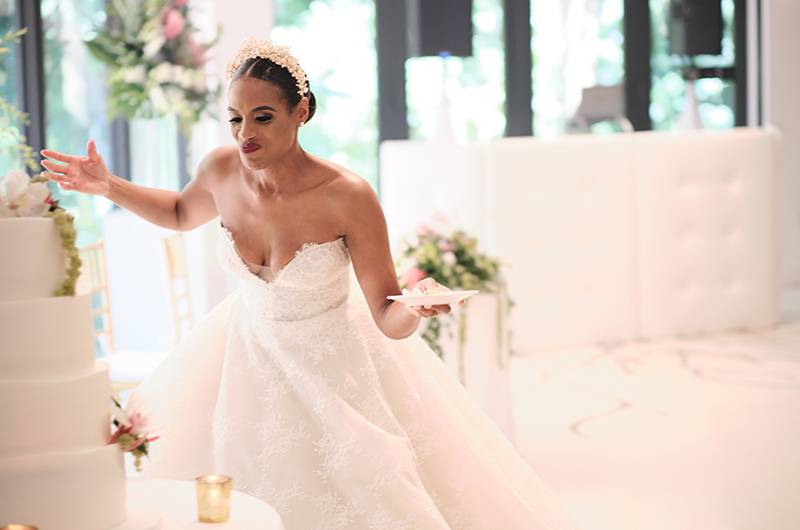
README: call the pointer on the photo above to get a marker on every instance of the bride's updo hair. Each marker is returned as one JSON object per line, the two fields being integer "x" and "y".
{"x": 266, "y": 70}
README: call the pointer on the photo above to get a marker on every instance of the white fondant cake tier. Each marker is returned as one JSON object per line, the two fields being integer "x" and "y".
{"x": 66, "y": 491}
{"x": 46, "y": 338}
{"x": 33, "y": 261}
{"x": 44, "y": 416}
{"x": 57, "y": 470}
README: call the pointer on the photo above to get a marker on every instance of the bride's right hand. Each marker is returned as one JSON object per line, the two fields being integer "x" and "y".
{"x": 86, "y": 174}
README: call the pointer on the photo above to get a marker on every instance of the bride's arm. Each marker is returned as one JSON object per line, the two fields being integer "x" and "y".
{"x": 368, "y": 243}
{"x": 176, "y": 210}
{"x": 183, "y": 210}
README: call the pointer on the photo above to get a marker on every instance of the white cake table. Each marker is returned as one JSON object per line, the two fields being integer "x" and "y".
{"x": 172, "y": 505}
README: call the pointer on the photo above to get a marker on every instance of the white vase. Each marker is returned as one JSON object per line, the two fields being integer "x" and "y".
{"x": 154, "y": 152}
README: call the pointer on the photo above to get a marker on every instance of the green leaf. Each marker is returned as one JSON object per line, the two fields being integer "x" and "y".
{"x": 100, "y": 52}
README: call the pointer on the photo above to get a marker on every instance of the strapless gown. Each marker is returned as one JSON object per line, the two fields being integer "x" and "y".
{"x": 288, "y": 386}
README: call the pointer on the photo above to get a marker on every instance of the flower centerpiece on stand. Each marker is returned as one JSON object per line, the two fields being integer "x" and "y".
{"x": 452, "y": 258}
{"x": 156, "y": 63}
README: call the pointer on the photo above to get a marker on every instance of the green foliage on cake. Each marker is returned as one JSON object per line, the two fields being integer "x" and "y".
{"x": 22, "y": 196}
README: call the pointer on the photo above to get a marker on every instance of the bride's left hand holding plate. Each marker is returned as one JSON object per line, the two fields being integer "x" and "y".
{"x": 440, "y": 298}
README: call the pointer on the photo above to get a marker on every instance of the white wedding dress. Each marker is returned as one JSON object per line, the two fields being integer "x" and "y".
{"x": 289, "y": 387}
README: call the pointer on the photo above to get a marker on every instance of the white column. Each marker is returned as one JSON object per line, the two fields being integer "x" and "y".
{"x": 781, "y": 42}
{"x": 238, "y": 20}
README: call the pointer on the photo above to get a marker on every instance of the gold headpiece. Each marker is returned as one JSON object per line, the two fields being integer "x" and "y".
{"x": 280, "y": 55}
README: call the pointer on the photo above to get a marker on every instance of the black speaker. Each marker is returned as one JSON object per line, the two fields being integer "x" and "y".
{"x": 436, "y": 26}
{"x": 695, "y": 27}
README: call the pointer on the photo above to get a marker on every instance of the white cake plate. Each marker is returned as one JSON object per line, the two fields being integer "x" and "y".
{"x": 424, "y": 300}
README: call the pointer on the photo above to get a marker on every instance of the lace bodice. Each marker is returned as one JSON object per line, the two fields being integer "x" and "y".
{"x": 316, "y": 280}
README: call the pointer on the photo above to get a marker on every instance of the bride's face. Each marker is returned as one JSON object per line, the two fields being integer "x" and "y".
{"x": 261, "y": 122}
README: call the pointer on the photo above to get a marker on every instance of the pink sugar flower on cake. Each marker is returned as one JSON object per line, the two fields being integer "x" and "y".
{"x": 131, "y": 431}
{"x": 138, "y": 422}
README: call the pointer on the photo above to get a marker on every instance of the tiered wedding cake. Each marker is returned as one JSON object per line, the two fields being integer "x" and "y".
{"x": 57, "y": 469}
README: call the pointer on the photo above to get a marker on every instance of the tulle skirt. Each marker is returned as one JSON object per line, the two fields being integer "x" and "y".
{"x": 337, "y": 427}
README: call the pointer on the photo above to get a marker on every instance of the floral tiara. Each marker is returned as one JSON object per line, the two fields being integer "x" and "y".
{"x": 280, "y": 55}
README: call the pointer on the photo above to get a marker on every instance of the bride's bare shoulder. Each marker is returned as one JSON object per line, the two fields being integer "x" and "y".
{"x": 350, "y": 189}
{"x": 353, "y": 202}
{"x": 218, "y": 163}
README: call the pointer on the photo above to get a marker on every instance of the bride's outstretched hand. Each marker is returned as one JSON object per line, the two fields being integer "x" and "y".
{"x": 87, "y": 174}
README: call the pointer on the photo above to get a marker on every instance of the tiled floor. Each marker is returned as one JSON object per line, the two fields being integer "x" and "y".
{"x": 695, "y": 434}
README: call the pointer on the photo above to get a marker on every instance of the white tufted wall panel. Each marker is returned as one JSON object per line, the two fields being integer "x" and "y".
{"x": 707, "y": 233}
{"x": 609, "y": 238}
{"x": 564, "y": 227}
{"x": 419, "y": 179}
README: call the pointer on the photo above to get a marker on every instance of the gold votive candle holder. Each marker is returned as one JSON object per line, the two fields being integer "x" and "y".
{"x": 213, "y": 498}
{"x": 19, "y": 527}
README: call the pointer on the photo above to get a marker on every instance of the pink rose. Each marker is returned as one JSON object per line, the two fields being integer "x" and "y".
{"x": 412, "y": 276}
{"x": 173, "y": 24}
{"x": 180, "y": 3}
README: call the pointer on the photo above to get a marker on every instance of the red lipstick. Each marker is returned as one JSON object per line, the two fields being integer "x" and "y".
{"x": 249, "y": 147}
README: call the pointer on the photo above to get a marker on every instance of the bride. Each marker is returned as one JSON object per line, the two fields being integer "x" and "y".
{"x": 315, "y": 396}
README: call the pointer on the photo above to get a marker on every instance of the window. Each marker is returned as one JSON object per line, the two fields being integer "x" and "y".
{"x": 334, "y": 40}
{"x": 75, "y": 99}
{"x": 154, "y": 152}
{"x": 473, "y": 85}
{"x": 715, "y": 96}
{"x": 9, "y": 90}
{"x": 575, "y": 44}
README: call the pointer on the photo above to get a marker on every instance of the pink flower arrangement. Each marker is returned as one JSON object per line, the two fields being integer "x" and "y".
{"x": 438, "y": 250}
{"x": 131, "y": 431}
{"x": 450, "y": 257}
{"x": 156, "y": 61}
